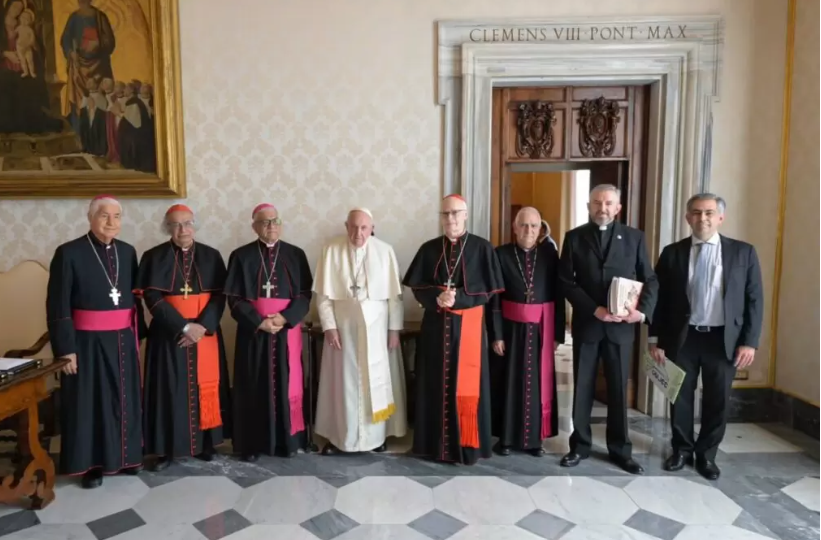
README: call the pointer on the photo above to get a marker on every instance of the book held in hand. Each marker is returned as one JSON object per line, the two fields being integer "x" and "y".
{"x": 667, "y": 377}
{"x": 623, "y": 293}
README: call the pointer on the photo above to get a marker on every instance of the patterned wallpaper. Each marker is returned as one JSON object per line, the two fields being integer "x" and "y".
{"x": 798, "y": 364}
{"x": 318, "y": 106}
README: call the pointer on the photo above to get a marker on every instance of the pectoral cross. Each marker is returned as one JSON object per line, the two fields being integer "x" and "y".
{"x": 185, "y": 290}
{"x": 267, "y": 288}
{"x": 355, "y": 289}
{"x": 449, "y": 284}
{"x": 529, "y": 294}
{"x": 115, "y": 296}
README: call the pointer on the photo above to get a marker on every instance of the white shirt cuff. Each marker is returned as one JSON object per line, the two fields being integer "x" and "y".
{"x": 652, "y": 340}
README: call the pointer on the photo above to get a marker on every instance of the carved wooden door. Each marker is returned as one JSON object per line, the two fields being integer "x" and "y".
{"x": 602, "y": 129}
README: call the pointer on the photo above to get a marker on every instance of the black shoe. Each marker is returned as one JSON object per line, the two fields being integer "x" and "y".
{"x": 133, "y": 471}
{"x": 502, "y": 450}
{"x": 250, "y": 458}
{"x": 708, "y": 469}
{"x": 677, "y": 461}
{"x": 536, "y": 452}
{"x": 161, "y": 464}
{"x": 571, "y": 459}
{"x": 92, "y": 479}
{"x": 330, "y": 450}
{"x": 205, "y": 455}
{"x": 382, "y": 448}
{"x": 628, "y": 465}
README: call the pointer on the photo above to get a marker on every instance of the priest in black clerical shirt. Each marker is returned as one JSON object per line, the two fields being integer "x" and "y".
{"x": 94, "y": 320}
{"x": 453, "y": 277}
{"x": 186, "y": 391}
{"x": 268, "y": 289}
{"x": 528, "y": 322}
{"x": 592, "y": 255}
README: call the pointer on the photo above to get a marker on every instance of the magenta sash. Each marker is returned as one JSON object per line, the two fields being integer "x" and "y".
{"x": 269, "y": 306}
{"x": 535, "y": 314}
{"x": 87, "y": 320}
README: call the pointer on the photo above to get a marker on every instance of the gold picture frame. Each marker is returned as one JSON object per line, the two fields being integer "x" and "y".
{"x": 164, "y": 176}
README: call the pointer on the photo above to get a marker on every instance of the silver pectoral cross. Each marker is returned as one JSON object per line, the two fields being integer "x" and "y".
{"x": 267, "y": 288}
{"x": 449, "y": 284}
{"x": 529, "y": 294}
{"x": 355, "y": 289}
{"x": 115, "y": 296}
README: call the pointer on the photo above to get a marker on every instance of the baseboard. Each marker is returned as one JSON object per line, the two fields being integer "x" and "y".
{"x": 797, "y": 413}
{"x": 762, "y": 405}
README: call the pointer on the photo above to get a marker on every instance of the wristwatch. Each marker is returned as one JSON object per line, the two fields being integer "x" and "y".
{"x": 186, "y": 328}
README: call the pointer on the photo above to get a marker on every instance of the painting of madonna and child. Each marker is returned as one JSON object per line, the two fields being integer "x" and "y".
{"x": 76, "y": 91}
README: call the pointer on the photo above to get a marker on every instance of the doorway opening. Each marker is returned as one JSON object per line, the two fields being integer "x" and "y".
{"x": 550, "y": 146}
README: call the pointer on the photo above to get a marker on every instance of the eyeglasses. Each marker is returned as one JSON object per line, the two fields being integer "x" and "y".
{"x": 452, "y": 213}
{"x": 269, "y": 222}
{"x": 182, "y": 225}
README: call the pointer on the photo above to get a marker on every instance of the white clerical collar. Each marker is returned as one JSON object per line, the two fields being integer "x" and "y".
{"x": 271, "y": 245}
{"x": 526, "y": 250}
{"x": 712, "y": 240}
{"x": 97, "y": 239}
{"x": 454, "y": 240}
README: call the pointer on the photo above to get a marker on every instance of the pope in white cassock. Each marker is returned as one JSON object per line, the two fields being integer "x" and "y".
{"x": 361, "y": 398}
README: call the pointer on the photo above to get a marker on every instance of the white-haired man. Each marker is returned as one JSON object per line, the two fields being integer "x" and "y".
{"x": 361, "y": 398}
{"x": 453, "y": 277}
{"x": 186, "y": 393}
{"x": 528, "y": 324}
{"x": 592, "y": 255}
{"x": 94, "y": 320}
{"x": 268, "y": 289}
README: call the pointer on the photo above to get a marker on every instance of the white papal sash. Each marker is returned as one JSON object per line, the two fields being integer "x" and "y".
{"x": 373, "y": 338}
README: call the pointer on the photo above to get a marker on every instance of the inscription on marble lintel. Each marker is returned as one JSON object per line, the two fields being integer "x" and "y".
{"x": 652, "y": 32}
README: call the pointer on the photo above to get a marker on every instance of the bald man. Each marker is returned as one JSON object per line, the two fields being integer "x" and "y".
{"x": 361, "y": 398}
{"x": 453, "y": 277}
{"x": 94, "y": 320}
{"x": 268, "y": 289}
{"x": 528, "y": 324}
{"x": 186, "y": 391}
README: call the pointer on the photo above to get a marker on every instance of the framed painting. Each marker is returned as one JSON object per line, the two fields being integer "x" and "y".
{"x": 90, "y": 99}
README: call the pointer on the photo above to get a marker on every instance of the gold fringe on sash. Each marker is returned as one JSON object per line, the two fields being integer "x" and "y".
{"x": 384, "y": 414}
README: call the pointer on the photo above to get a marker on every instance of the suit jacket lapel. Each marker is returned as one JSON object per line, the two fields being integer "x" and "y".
{"x": 727, "y": 262}
{"x": 590, "y": 237}
{"x": 616, "y": 242}
{"x": 683, "y": 264}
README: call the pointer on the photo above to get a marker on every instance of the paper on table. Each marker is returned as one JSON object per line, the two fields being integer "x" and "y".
{"x": 7, "y": 364}
{"x": 667, "y": 377}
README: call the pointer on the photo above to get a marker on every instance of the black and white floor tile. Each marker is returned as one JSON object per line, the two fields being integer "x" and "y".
{"x": 769, "y": 489}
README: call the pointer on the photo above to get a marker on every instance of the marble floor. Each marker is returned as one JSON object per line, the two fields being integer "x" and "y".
{"x": 769, "y": 489}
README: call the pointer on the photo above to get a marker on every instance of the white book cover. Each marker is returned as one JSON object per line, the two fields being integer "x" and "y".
{"x": 7, "y": 364}
{"x": 623, "y": 293}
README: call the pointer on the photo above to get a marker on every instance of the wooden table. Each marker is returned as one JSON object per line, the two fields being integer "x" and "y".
{"x": 20, "y": 395}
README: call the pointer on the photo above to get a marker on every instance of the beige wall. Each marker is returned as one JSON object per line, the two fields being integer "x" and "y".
{"x": 320, "y": 105}
{"x": 797, "y": 347}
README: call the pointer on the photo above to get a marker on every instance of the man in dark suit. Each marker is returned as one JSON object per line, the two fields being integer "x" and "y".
{"x": 592, "y": 255}
{"x": 708, "y": 318}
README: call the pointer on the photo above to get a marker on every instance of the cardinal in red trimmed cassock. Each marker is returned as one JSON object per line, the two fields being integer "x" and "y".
{"x": 453, "y": 277}
{"x": 527, "y": 326}
{"x": 94, "y": 320}
{"x": 186, "y": 394}
{"x": 268, "y": 288}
